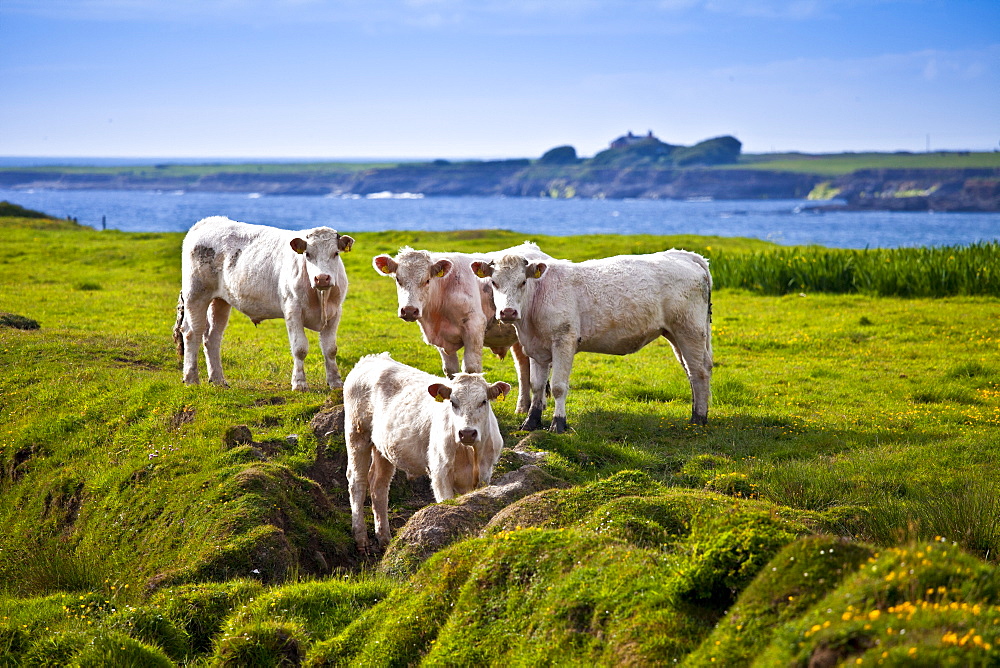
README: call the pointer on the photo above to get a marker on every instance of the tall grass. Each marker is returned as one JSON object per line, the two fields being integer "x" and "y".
{"x": 899, "y": 272}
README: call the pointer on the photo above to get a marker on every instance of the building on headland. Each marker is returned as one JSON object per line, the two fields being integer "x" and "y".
{"x": 630, "y": 139}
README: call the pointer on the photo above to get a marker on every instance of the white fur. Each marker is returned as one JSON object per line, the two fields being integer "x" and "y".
{"x": 254, "y": 269}
{"x": 392, "y": 421}
{"x": 614, "y": 306}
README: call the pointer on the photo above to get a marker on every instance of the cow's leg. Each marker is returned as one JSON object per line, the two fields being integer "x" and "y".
{"x": 449, "y": 361}
{"x": 359, "y": 463}
{"x": 693, "y": 350}
{"x": 218, "y": 318}
{"x": 472, "y": 341}
{"x": 379, "y": 476}
{"x": 328, "y": 344}
{"x": 441, "y": 482}
{"x": 539, "y": 375}
{"x": 193, "y": 330}
{"x": 523, "y": 366}
{"x": 299, "y": 344}
{"x": 562, "y": 364}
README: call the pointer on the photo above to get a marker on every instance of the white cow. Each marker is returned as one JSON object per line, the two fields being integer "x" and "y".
{"x": 264, "y": 273}
{"x": 396, "y": 416}
{"x": 614, "y": 306}
{"x": 455, "y": 309}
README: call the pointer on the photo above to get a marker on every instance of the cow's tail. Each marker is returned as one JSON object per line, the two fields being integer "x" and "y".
{"x": 707, "y": 293}
{"x": 179, "y": 326}
{"x": 708, "y": 314}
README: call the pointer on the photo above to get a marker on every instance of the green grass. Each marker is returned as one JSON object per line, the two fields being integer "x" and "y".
{"x": 836, "y": 164}
{"x": 896, "y": 272}
{"x": 177, "y": 170}
{"x": 131, "y": 530}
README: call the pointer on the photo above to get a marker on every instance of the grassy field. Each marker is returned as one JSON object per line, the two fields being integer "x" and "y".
{"x": 836, "y": 164}
{"x": 843, "y": 492}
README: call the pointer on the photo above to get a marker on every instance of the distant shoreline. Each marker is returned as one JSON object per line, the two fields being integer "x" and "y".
{"x": 945, "y": 181}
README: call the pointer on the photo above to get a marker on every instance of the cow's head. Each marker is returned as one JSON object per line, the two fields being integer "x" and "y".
{"x": 415, "y": 273}
{"x": 510, "y": 277}
{"x": 321, "y": 247}
{"x": 468, "y": 398}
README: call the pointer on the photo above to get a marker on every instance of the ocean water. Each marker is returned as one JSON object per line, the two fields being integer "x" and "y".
{"x": 786, "y": 222}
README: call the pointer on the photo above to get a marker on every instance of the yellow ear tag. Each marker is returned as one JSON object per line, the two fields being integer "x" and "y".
{"x": 438, "y": 398}
{"x": 440, "y": 274}
{"x": 384, "y": 269}
{"x": 501, "y": 396}
{"x": 538, "y": 273}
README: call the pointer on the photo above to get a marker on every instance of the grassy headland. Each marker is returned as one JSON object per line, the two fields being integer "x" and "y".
{"x": 843, "y": 492}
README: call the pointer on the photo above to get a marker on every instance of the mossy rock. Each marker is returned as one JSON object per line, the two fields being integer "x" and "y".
{"x": 733, "y": 484}
{"x": 925, "y": 604}
{"x": 323, "y": 607}
{"x": 563, "y": 507}
{"x": 149, "y": 625}
{"x": 702, "y": 468}
{"x": 798, "y": 576}
{"x": 263, "y": 644}
{"x": 114, "y": 648}
{"x": 14, "y": 321}
{"x": 200, "y": 610}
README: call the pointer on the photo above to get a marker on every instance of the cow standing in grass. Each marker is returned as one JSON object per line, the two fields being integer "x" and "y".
{"x": 455, "y": 309}
{"x": 614, "y": 306}
{"x": 264, "y": 273}
{"x": 396, "y": 416}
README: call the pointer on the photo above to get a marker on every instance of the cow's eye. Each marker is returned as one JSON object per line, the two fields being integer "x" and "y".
{"x": 524, "y": 283}
{"x": 427, "y": 282}
{"x": 454, "y": 404}
{"x": 485, "y": 401}
{"x": 495, "y": 285}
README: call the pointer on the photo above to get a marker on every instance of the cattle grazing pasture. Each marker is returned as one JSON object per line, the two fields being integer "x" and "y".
{"x": 843, "y": 492}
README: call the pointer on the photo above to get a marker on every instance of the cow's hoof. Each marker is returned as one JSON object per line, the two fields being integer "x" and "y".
{"x": 336, "y": 385}
{"x": 699, "y": 419}
{"x": 301, "y": 387}
{"x": 558, "y": 425}
{"x": 531, "y": 424}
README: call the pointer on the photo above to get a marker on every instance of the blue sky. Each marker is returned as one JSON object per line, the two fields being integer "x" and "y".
{"x": 490, "y": 79}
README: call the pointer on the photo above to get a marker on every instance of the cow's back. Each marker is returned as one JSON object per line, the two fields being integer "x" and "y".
{"x": 389, "y": 401}
{"x": 619, "y": 304}
{"x": 238, "y": 262}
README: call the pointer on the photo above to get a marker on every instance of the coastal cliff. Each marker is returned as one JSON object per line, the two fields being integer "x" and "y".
{"x": 632, "y": 167}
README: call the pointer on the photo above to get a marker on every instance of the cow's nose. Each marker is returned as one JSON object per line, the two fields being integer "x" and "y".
{"x": 508, "y": 314}
{"x": 468, "y": 436}
{"x": 409, "y": 313}
{"x": 322, "y": 281}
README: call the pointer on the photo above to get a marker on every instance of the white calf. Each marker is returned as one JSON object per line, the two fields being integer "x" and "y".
{"x": 455, "y": 309}
{"x": 396, "y": 416}
{"x": 264, "y": 273}
{"x": 614, "y": 306}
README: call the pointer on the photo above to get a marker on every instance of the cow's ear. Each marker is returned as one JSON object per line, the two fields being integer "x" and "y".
{"x": 439, "y": 391}
{"x": 498, "y": 390}
{"x": 345, "y": 243}
{"x": 482, "y": 269}
{"x": 440, "y": 268}
{"x": 535, "y": 269}
{"x": 384, "y": 264}
{"x": 299, "y": 245}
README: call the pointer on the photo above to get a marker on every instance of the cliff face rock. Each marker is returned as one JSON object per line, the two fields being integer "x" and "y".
{"x": 972, "y": 190}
